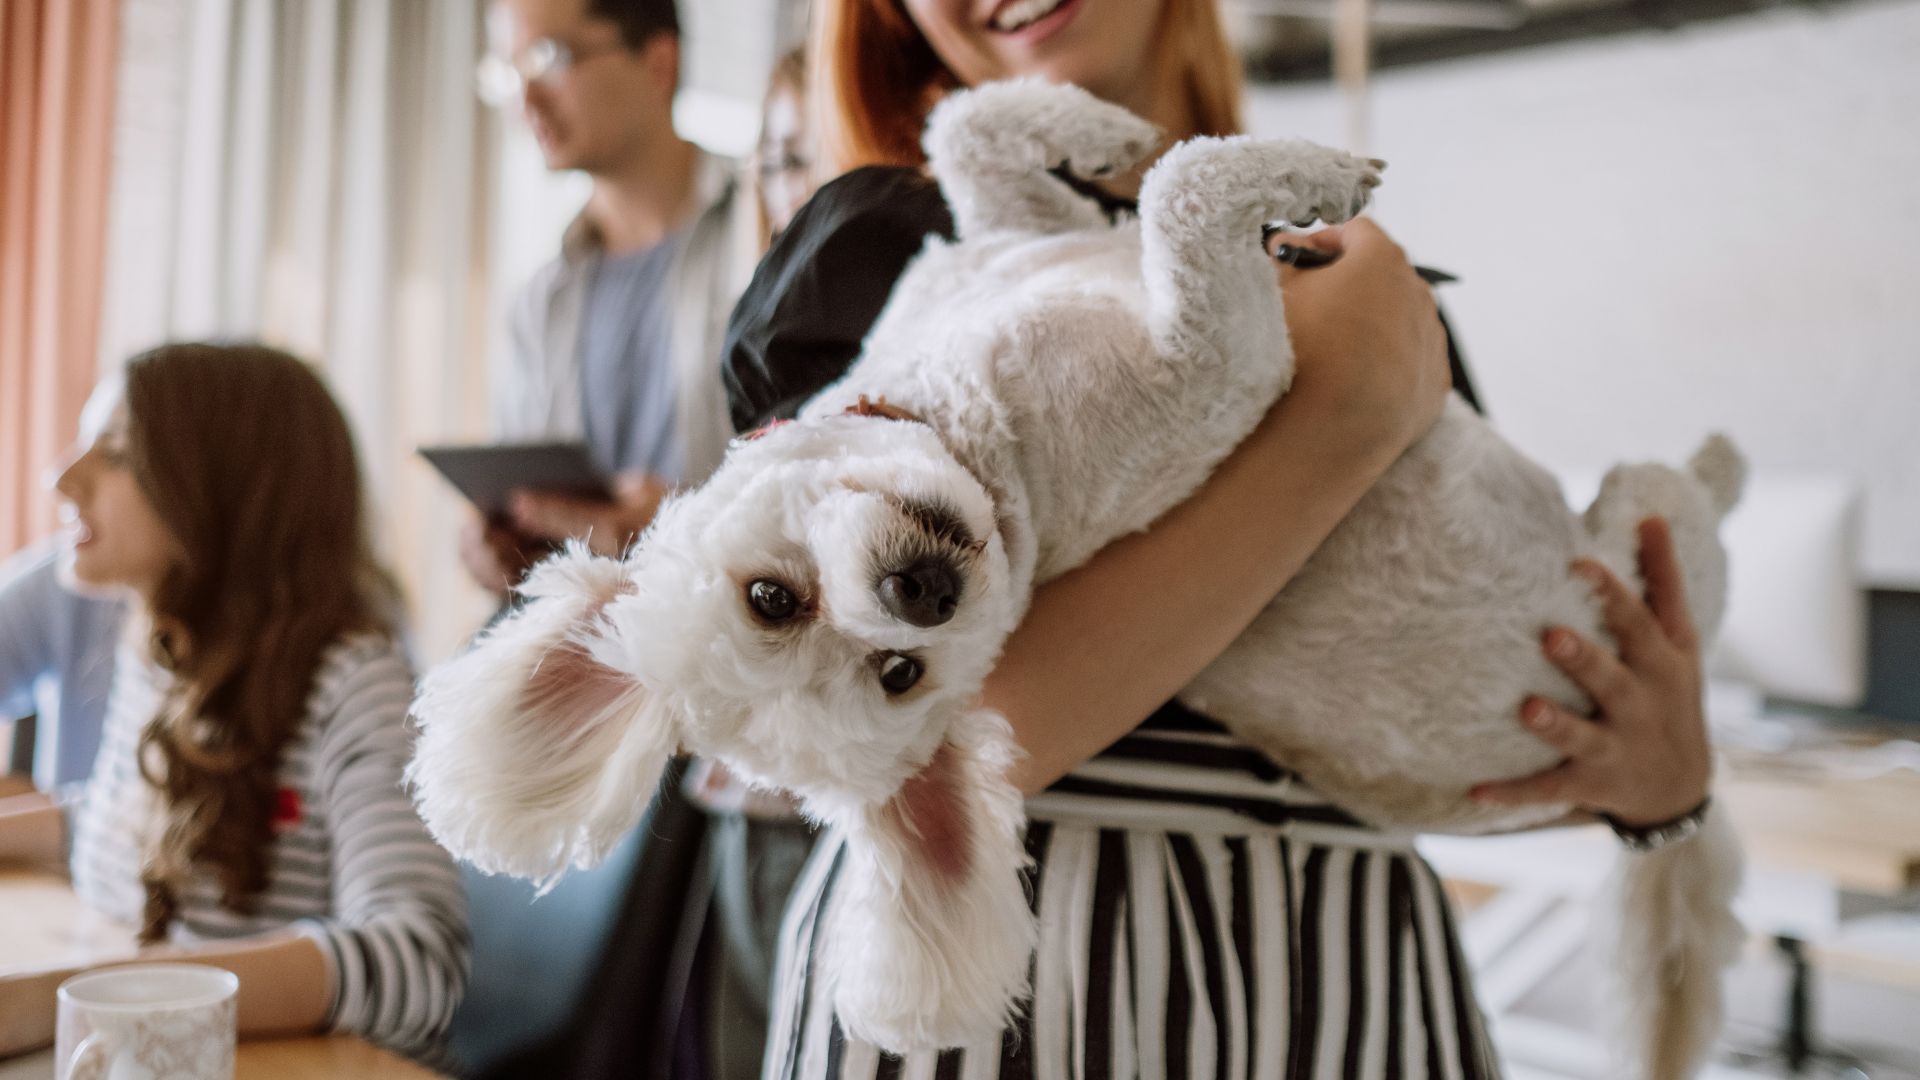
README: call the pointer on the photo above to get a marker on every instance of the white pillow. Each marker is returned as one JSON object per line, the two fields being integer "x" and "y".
{"x": 1796, "y": 623}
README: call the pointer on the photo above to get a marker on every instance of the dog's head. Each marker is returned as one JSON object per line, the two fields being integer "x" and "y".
{"x": 823, "y": 605}
{"x": 817, "y": 615}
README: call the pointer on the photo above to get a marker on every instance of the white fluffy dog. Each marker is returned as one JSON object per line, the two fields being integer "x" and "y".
{"x": 821, "y": 614}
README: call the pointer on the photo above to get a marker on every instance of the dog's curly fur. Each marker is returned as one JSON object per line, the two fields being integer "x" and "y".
{"x": 1071, "y": 380}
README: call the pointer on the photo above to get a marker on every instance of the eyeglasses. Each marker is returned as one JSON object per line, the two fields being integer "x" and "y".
{"x": 782, "y": 163}
{"x": 498, "y": 80}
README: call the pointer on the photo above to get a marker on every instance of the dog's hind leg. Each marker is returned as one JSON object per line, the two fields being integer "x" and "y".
{"x": 1211, "y": 290}
{"x": 993, "y": 150}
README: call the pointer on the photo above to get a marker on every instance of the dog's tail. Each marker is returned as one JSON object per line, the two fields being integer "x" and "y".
{"x": 1721, "y": 470}
{"x": 1675, "y": 934}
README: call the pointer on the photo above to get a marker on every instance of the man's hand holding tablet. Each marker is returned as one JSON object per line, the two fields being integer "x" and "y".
{"x": 530, "y": 498}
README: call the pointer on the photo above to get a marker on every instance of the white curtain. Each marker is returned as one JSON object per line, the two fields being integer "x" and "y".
{"x": 317, "y": 174}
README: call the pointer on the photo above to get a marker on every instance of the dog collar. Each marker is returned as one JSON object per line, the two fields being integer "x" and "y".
{"x": 763, "y": 430}
{"x": 881, "y": 408}
{"x": 866, "y": 406}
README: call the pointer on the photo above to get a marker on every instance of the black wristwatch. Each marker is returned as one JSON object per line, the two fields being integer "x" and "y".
{"x": 1661, "y": 833}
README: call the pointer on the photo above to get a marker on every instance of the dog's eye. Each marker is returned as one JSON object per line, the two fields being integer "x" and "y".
{"x": 772, "y": 600}
{"x": 898, "y": 673}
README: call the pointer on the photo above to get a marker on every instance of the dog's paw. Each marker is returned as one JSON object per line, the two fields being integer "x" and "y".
{"x": 1032, "y": 124}
{"x": 1103, "y": 140}
{"x": 1332, "y": 185}
{"x": 1240, "y": 182}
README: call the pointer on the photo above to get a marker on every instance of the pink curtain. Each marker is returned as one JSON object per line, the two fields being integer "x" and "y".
{"x": 57, "y": 60}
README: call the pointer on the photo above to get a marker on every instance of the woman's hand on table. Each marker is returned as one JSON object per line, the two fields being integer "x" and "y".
{"x": 285, "y": 988}
{"x": 27, "y": 1010}
{"x": 1644, "y": 756}
{"x": 31, "y": 830}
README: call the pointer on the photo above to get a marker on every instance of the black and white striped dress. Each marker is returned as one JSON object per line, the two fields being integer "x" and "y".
{"x": 351, "y": 865}
{"x": 1202, "y": 915}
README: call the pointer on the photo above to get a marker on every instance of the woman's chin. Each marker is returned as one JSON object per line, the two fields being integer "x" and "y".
{"x": 1088, "y": 69}
{"x": 80, "y": 571}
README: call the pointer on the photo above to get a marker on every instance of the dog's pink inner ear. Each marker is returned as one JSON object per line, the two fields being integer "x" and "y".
{"x": 570, "y": 688}
{"x": 933, "y": 815}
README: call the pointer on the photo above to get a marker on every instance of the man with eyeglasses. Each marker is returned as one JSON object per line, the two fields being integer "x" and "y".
{"x": 614, "y": 343}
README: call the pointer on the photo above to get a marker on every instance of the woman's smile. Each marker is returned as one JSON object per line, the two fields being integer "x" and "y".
{"x": 1033, "y": 21}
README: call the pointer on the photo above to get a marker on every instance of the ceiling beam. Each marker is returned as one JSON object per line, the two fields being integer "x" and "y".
{"x": 1309, "y": 62}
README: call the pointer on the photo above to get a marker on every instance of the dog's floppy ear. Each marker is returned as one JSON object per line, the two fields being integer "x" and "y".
{"x": 534, "y": 754}
{"x": 930, "y": 936}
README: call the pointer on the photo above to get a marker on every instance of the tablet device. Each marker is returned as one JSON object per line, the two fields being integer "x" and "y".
{"x": 486, "y": 474}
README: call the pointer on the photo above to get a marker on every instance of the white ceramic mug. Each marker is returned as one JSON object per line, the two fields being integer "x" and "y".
{"x": 147, "y": 1022}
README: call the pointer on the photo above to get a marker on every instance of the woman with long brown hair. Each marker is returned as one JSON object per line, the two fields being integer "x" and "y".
{"x": 246, "y": 809}
{"x": 1201, "y": 913}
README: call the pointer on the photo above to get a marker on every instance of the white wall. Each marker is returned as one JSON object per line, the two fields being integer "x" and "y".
{"x": 1660, "y": 234}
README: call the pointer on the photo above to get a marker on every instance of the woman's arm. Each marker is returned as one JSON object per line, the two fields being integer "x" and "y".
{"x": 31, "y": 829}
{"x": 390, "y": 962}
{"x": 396, "y": 945}
{"x": 1105, "y": 645}
{"x": 284, "y": 988}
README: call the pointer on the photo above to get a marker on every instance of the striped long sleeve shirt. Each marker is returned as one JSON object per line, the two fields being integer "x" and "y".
{"x": 351, "y": 865}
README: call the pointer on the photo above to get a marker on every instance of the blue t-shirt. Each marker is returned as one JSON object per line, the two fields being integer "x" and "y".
{"x": 56, "y": 663}
{"x": 626, "y": 371}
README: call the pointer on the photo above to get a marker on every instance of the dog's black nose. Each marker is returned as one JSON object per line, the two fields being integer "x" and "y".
{"x": 924, "y": 594}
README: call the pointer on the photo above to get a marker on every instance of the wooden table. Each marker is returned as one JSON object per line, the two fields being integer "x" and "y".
{"x": 1861, "y": 834}
{"x": 44, "y": 925}
{"x": 330, "y": 1057}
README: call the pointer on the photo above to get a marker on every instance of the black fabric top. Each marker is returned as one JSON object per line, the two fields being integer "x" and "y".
{"x": 821, "y": 286}
{"x": 800, "y": 324}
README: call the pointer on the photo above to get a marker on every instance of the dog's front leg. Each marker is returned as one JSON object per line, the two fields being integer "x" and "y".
{"x": 930, "y": 936}
{"x": 994, "y": 151}
{"x": 1212, "y": 294}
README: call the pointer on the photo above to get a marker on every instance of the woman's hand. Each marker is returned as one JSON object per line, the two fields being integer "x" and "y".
{"x": 286, "y": 988}
{"x": 1368, "y": 345}
{"x": 1644, "y": 757}
{"x": 31, "y": 830}
{"x": 28, "y": 1009}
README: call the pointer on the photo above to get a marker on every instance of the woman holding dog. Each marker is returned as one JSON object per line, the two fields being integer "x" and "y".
{"x": 246, "y": 809}
{"x": 1172, "y": 945}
